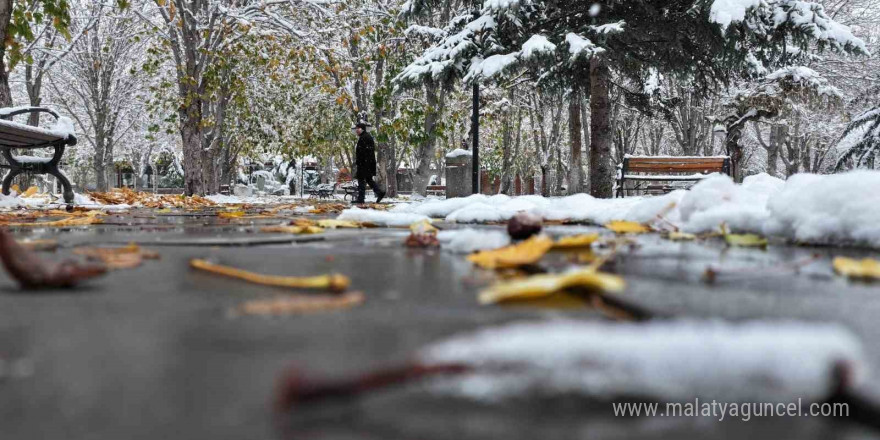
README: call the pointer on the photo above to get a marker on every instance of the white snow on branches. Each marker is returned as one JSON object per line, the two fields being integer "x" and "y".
{"x": 536, "y": 45}
{"x": 579, "y": 46}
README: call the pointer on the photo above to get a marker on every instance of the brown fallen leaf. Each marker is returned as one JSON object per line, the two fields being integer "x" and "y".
{"x": 333, "y": 282}
{"x": 32, "y": 272}
{"x": 422, "y": 234}
{"x": 125, "y": 257}
{"x": 288, "y": 305}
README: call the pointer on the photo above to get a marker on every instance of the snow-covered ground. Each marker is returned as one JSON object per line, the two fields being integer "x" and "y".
{"x": 809, "y": 208}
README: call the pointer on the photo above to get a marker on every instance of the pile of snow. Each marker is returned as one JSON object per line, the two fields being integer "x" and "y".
{"x": 820, "y": 209}
{"x": 672, "y": 361}
{"x": 381, "y": 217}
{"x": 63, "y": 127}
{"x": 470, "y": 240}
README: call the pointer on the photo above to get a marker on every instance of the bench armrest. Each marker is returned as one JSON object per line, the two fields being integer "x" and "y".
{"x": 8, "y": 116}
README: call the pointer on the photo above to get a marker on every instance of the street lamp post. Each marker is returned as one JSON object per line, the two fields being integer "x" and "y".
{"x": 475, "y": 129}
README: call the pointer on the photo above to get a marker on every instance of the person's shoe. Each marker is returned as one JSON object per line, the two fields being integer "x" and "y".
{"x": 380, "y": 197}
{"x": 358, "y": 202}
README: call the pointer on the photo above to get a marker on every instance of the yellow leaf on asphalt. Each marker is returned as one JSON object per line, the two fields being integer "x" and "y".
{"x": 231, "y": 214}
{"x": 15, "y": 188}
{"x": 681, "y": 236}
{"x": 71, "y": 221}
{"x": 867, "y": 268}
{"x": 576, "y": 241}
{"x": 745, "y": 240}
{"x": 423, "y": 227}
{"x": 526, "y": 252}
{"x": 292, "y": 229}
{"x": 287, "y": 305}
{"x": 543, "y": 285}
{"x": 334, "y": 282}
{"x": 625, "y": 227}
{"x": 333, "y": 224}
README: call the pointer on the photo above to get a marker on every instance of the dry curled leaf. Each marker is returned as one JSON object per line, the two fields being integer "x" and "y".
{"x": 576, "y": 241}
{"x": 127, "y": 196}
{"x": 333, "y": 224}
{"x": 543, "y": 285}
{"x": 865, "y": 269}
{"x": 125, "y": 257}
{"x": 31, "y": 272}
{"x": 422, "y": 234}
{"x": 523, "y": 253}
{"x": 231, "y": 214}
{"x": 745, "y": 240}
{"x": 30, "y": 191}
{"x": 627, "y": 227}
{"x": 288, "y": 305}
{"x": 681, "y": 236}
{"x": 333, "y": 282}
{"x": 292, "y": 229}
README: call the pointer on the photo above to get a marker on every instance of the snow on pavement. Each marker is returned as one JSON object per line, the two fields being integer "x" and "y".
{"x": 666, "y": 360}
{"x": 818, "y": 209}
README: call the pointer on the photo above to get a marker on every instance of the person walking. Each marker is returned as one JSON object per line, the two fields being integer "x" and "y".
{"x": 365, "y": 161}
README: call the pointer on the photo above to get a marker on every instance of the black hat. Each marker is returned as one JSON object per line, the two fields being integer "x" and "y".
{"x": 362, "y": 125}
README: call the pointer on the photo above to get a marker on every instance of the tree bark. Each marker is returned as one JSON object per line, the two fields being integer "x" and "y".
{"x": 574, "y": 134}
{"x": 425, "y": 150}
{"x": 601, "y": 169}
{"x": 506, "y": 158}
{"x": 5, "y": 16}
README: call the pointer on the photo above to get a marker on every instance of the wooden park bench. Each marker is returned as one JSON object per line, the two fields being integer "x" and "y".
{"x": 436, "y": 190}
{"x": 660, "y": 173}
{"x": 21, "y": 136}
{"x": 323, "y": 191}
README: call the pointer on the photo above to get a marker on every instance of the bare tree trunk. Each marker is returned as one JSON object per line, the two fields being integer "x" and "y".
{"x": 5, "y": 16}
{"x": 506, "y": 159}
{"x": 601, "y": 170}
{"x": 425, "y": 150}
{"x": 574, "y": 133}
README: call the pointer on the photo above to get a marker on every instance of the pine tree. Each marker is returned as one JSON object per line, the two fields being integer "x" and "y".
{"x": 867, "y": 147}
{"x": 707, "y": 43}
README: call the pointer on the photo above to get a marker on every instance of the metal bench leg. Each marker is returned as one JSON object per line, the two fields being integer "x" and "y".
{"x": 68, "y": 189}
{"x": 7, "y": 181}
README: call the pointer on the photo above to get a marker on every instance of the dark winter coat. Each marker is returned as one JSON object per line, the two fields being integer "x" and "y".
{"x": 365, "y": 156}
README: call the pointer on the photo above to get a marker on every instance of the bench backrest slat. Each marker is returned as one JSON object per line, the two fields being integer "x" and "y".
{"x": 17, "y": 140}
{"x": 674, "y": 165}
{"x": 11, "y": 134}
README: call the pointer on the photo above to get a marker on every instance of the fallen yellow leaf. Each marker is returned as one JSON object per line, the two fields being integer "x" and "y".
{"x": 30, "y": 191}
{"x": 626, "y": 227}
{"x": 539, "y": 286}
{"x": 526, "y": 252}
{"x": 300, "y": 304}
{"x": 333, "y": 224}
{"x": 681, "y": 236}
{"x": 423, "y": 227}
{"x": 72, "y": 221}
{"x": 745, "y": 240}
{"x": 867, "y": 268}
{"x": 292, "y": 229}
{"x": 231, "y": 214}
{"x": 576, "y": 241}
{"x": 334, "y": 282}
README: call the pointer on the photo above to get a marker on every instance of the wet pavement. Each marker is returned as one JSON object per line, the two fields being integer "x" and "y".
{"x": 154, "y": 352}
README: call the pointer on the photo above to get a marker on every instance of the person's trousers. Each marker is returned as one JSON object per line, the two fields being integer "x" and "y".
{"x": 362, "y": 187}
